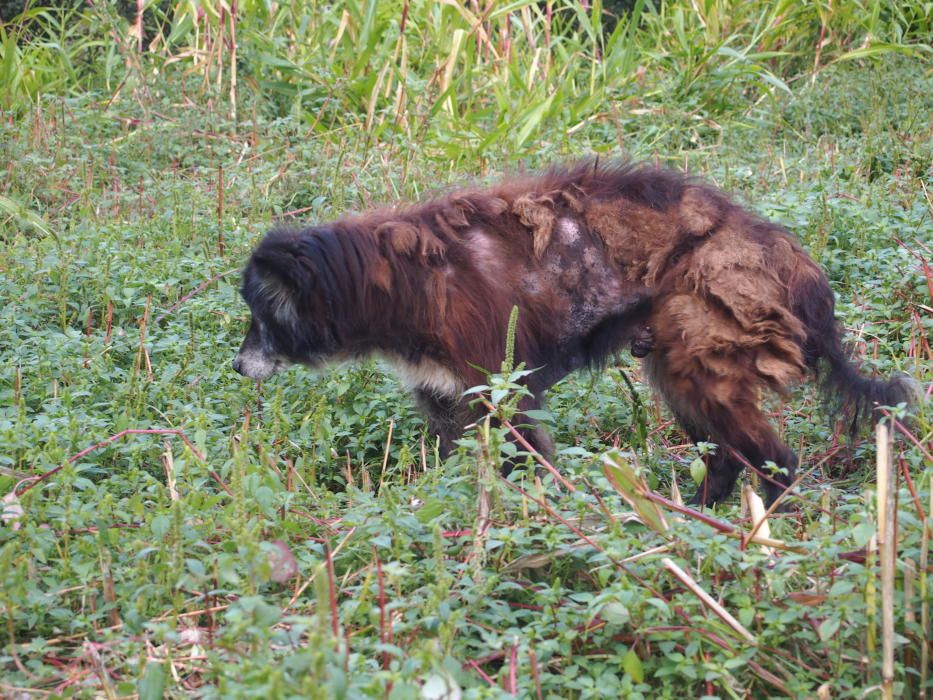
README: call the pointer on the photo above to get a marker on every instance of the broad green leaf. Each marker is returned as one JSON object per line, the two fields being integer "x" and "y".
{"x": 631, "y": 664}
{"x": 152, "y": 684}
{"x": 828, "y": 628}
{"x": 698, "y": 470}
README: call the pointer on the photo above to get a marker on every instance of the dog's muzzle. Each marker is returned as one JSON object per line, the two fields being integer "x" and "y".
{"x": 256, "y": 365}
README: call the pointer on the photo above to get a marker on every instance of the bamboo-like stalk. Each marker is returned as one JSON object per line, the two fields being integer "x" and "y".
{"x": 925, "y": 605}
{"x": 910, "y": 618}
{"x": 234, "y": 13}
{"x": 871, "y": 592}
{"x": 887, "y": 550}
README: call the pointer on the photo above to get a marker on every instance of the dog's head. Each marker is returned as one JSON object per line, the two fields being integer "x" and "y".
{"x": 291, "y": 300}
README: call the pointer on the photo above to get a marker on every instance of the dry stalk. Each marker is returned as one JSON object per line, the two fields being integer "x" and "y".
{"x": 168, "y": 461}
{"x": 200, "y": 288}
{"x": 676, "y": 497}
{"x": 109, "y": 592}
{"x": 109, "y": 332}
{"x": 535, "y": 673}
{"x": 348, "y": 470}
{"x": 910, "y": 617}
{"x": 142, "y": 352}
{"x": 221, "y": 245}
{"x": 483, "y": 504}
{"x": 90, "y": 649}
{"x": 756, "y": 509}
{"x": 724, "y": 528}
{"x": 385, "y": 457}
{"x": 925, "y": 605}
{"x": 720, "y": 612}
{"x": 887, "y": 546}
{"x": 310, "y": 579}
{"x": 234, "y": 13}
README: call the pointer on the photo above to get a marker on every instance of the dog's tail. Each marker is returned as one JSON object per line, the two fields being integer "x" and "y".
{"x": 840, "y": 381}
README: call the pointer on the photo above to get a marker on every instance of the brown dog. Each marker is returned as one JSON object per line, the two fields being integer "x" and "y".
{"x": 723, "y": 303}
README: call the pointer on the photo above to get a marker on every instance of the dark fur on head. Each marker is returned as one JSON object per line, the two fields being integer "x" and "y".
{"x": 722, "y": 303}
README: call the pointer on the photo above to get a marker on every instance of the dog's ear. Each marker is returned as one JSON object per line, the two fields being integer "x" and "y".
{"x": 281, "y": 261}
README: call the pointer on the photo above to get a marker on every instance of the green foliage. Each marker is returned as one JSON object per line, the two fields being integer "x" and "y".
{"x": 454, "y": 78}
{"x": 302, "y": 538}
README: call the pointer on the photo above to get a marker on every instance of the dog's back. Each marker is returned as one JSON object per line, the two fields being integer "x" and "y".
{"x": 736, "y": 305}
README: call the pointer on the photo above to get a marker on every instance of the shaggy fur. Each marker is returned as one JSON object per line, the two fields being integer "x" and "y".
{"x": 723, "y": 304}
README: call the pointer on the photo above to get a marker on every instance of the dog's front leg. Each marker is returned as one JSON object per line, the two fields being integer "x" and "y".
{"x": 447, "y": 417}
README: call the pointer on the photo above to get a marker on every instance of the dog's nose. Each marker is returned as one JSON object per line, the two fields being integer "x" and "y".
{"x": 237, "y": 364}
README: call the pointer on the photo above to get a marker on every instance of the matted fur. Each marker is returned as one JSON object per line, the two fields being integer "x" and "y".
{"x": 593, "y": 257}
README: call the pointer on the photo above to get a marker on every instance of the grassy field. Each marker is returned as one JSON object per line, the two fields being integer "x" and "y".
{"x": 170, "y": 529}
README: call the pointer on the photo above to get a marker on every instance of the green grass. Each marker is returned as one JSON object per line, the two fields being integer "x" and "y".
{"x": 303, "y": 540}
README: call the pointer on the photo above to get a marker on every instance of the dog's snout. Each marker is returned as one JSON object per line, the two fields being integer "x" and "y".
{"x": 237, "y": 365}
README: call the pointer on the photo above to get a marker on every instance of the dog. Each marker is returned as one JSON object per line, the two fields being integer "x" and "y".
{"x": 721, "y": 304}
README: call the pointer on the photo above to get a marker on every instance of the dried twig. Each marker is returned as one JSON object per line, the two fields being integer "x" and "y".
{"x": 385, "y": 457}
{"x": 723, "y": 614}
{"x": 103, "y": 443}
{"x": 200, "y": 288}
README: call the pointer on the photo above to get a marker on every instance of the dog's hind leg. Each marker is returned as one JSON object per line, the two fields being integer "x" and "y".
{"x": 723, "y": 410}
{"x": 744, "y": 438}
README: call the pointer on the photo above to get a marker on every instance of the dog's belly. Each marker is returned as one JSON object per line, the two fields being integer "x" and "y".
{"x": 427, "y": 375}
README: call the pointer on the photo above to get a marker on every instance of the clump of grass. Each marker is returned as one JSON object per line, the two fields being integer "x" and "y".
{"x": 455, "y": 77}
